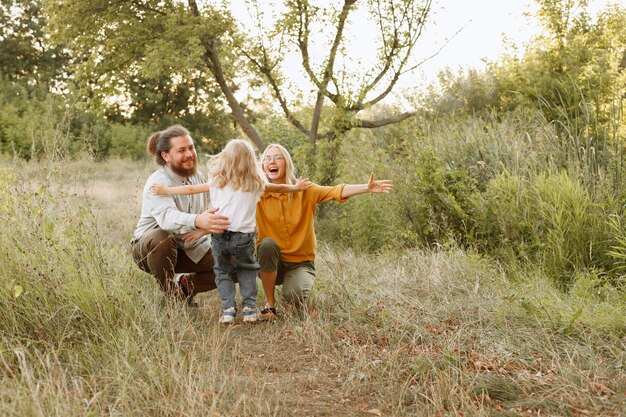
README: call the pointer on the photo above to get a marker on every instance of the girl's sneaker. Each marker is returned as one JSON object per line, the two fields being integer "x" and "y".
{"x": 249, "y": 314}
{"x": 228, "y": 316}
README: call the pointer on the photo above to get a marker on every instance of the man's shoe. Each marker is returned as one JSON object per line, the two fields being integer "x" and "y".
{"x": 228, "y": 316}
{"x": 268, "y": 314}
{"x": 183, "y": 291}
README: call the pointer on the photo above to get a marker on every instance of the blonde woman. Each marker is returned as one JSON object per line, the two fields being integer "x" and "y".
{"x": 286, "y": 233}
{"x": 236, "y": 183}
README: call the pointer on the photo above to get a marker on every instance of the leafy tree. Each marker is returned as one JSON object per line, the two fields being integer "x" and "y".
{"x": 26, "y": 55}
{"x": 117, "y": 43}
{"x": 162, "y": 101}
{"x": 574, "y": 72}
{"x": 576, "y": 58}
{"x": 341, "y": 92}
{"x": 30, "y": 67}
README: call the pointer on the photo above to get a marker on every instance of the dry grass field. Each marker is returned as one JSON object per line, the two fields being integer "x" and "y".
{"x": 403, "y": 333}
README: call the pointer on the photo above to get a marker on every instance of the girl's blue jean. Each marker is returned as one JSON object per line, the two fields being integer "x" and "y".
{"x": 235, "y": 251}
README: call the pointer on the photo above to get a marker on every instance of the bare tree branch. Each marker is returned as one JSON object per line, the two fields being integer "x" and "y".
{"x": 437, "y": 51}
{"x": 212, "y": 60}
{"x": 328, "y": 72}
{"x": 266, "y": 69}
{"x": 303, "y": 40}
{"x": 389, "y": 56}
{"x": 332, "y": 56}
{"x": 372, "y": 124}
{"x": 407, "y": 53}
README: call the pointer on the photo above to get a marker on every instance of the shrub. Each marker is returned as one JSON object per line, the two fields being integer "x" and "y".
{"x": 550, "y": 219}
{"x": 432, "y": 201}
{"x": 503, "y": 222}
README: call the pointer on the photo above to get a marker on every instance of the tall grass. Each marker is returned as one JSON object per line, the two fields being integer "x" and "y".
{"x": 403, "y": 332}
{"x": 514, "y": 185}
{"x": 84, "y": 331}
{"x": 396, "y": 331}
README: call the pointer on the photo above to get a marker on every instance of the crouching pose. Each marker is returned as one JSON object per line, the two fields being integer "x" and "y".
{"x": 158, "y": 244}
{"x": 236, "y": 183}
{"x": 286, "y": 242}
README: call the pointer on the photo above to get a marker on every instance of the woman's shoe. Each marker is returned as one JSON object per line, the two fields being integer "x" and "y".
{"x": 268, "y": 313}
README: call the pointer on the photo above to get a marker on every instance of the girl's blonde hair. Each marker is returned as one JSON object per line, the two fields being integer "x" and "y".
{"x": 237, "y": 167}
{"x": 290, "y": 170}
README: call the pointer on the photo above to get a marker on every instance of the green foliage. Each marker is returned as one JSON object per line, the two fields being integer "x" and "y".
{"x": 23, "y": 116}
{"x": 34, "y": 96}
{"x": 503, "y": 219}
{"x": 45, "y": 303}
{"x": 617, "y": 250}
{"x": 433, "y": 201}
{"x": 148, "y": 57}
{"x": 366, "y": 224}
{"x": 574, "y": 73}
{"x": 429, "y": 205}
{"x": 549, "y": 219}
{"x": 26, "y": 55}
{"x": 543, "y": 137}
{"x": 33, "y": 125}
{"x": 567, "y": 225}
{"x": 483, "y": 182}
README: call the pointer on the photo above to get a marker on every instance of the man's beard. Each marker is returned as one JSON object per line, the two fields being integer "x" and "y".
{"x": 185, "y": 172}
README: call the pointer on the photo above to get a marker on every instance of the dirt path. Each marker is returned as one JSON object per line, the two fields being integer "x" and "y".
{"x": 303, "y": 382}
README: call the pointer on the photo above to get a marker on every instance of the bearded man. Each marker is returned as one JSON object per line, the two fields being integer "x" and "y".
{"x": 170, "y": 241}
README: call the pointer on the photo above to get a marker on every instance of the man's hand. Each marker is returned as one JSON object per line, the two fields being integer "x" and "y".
{"x": 193, "y": 236}
{"x": 211, "y": 222}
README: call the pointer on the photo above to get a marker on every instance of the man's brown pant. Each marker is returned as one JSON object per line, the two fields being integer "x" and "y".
{"x": 156, "y": 253}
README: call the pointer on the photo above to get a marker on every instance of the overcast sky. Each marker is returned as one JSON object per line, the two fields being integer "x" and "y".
{"x": 483, "y": 24}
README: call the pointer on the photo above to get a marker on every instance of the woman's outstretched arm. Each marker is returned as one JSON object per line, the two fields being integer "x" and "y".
{"x": 372, "y": 186}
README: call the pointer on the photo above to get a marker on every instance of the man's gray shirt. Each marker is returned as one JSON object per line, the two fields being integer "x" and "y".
{"x": 174, "y": 213}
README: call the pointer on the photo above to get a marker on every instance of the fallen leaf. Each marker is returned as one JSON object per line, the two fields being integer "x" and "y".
{"x": 208, "y": 394}
{"x": 17, "y": 291}
{"x": 433, "y": 329}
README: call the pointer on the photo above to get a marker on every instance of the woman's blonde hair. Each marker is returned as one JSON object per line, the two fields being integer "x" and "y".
{"x": 290, "y": 170}
{"x": 237, "y": 167}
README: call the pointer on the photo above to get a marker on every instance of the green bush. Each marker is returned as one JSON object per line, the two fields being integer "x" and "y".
{"x": 549, "y": 219}
{"x": 27, "y": 120}
{"x": 368, "y": 223}
{"x": 127, "y": 140}
{"x": 503, "y": 224}
{"x": 432, "y": 201}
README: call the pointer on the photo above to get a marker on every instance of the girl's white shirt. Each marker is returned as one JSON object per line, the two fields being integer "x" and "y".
{"x": 239, "y": 206}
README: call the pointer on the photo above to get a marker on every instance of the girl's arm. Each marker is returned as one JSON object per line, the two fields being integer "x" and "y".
{"x": 160, "y": 189}
{"x": 300, "y": 185}
{"x": 372, "y": 186}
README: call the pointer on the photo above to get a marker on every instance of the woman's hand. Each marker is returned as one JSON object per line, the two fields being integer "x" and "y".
{"x": 379, "y": 186}
{"x": 372, "y": 186}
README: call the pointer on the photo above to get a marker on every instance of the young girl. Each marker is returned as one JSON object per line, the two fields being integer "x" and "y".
{"x": 236, "y": 182}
